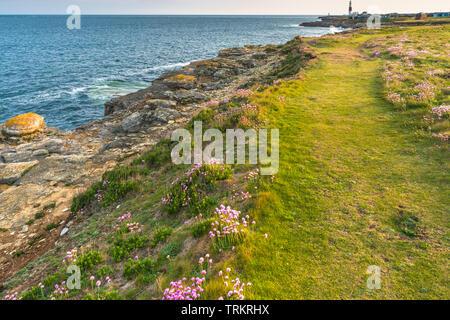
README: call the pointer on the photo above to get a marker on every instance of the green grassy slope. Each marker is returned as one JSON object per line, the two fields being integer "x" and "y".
{"x": 355, "y": 189}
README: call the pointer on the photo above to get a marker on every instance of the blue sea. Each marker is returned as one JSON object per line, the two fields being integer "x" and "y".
{"x": 67, "y": 75}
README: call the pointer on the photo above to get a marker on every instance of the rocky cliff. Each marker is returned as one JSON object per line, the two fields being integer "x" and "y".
{"x": 338, "y": 22}
{"x": 41, "y": 173}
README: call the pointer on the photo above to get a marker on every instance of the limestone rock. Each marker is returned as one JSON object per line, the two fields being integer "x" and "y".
{"x": 233, "y": 52}
{"x": 259, "y": 56}
{"x": 24, "y": 124}
{"x": 181, "y": 81}
{"x": 163, "y": 115}
{"x": 122, "y": 143}
{"x": 40, "y": 153}
{"x": 16, "y": 210}
{"x": 11, "y": 172}
{"x": 213, "y": 86}
{"x": 53, "y": 145}
{"x": 37, "y": 150}
{"x": 59, "y": 169}
{"x": 188, "y": 96}
{"x": 157, "y": 103}
{"x": 133, "y": 122}
{"x": 250, "y": 63}
{"x": 221, "y": 74}
{"x": 125, "y": 102}
{"x": 64, "y": 231}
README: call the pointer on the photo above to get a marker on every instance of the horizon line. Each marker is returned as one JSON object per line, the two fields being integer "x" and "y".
{"x": 197, "y": 14}
{"x": 158, "y": 14}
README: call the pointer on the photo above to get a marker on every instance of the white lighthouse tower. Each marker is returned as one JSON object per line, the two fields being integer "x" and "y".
{"x": 350, "y": 9}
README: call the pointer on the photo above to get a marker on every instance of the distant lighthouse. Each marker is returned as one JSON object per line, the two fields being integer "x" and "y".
{"x": 350, "y": 9}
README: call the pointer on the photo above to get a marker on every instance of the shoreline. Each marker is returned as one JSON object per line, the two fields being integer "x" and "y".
{"x": 88, "y": 94}
{"x": 326, "y": 125}
{"x": 49, "y": 168}
{"x": 343, "y": 21}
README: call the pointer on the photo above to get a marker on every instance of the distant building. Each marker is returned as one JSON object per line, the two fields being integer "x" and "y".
{"x": 350, "y": 9}
{"x": 364, "y": 15}
{"x": 440, "y": 14}
{"x": 421, "y": 16}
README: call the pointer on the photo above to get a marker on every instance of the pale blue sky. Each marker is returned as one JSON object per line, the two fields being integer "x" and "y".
{"x": 295, "y": 7}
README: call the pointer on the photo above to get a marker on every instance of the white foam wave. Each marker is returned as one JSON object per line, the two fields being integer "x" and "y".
{"x": 158, "y": 69}
{"x": 75, "y": 91}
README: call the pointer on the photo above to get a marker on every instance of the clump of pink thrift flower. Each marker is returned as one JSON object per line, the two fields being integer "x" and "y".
{"x": 180, "y": 290}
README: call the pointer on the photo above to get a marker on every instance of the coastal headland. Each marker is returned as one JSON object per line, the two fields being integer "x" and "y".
{"x": 347, "y": 22}
{"x": 364, "y": 140}
{"x": 49, "y": 167}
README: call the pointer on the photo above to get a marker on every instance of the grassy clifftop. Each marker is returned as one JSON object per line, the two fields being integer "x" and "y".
{"x": 362, "y": 182}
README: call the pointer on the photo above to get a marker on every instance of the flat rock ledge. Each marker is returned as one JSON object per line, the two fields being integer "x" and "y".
{"x": 11, "y": 172}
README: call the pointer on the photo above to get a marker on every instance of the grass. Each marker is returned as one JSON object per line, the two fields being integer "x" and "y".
{"x": 294, "y": 59}
{"x": 89, "y": 260}
{"x": 360, "y": 184}
{"x": 34, "y": 239}
{"x": 356, "y": 188}
{"x": 18, "y": 253}
{"x": 51, "y": 226}
{"x": 416, "y": 77}
{"x": 161, "y": 235}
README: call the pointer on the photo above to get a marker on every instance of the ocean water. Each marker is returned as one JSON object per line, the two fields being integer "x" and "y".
{"x": 67, "y": 75}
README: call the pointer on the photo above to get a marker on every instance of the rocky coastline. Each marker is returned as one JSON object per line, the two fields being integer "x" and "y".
{"x": 357, "y": 23}
{"x": 336, "y": 21}
{"x": 42, "y": 172}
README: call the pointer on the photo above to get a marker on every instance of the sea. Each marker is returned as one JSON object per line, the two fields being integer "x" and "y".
{"x": 67, "y": 75}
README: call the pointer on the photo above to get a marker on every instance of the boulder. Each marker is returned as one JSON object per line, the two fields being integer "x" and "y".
{"x": 125, "y": 102}
{"x": 122, "y": 143}
{"x": 133, "y": 122}
{"x": 214, "y": 85}
{"x": 53, "y": 145}
{"x": 250, "y": 63}
{"x": 64, "y": 231}
{"x": 11, "y": 172}
{"x": 181, "y": 81}
{"x": 163, "y": 116}
{"x": 221, "y": 74}
{"x": 233, "y": 52}
{"x": 159, "y": 103}
{"x": 24, "y": 124}
{"x": 188, "y": 96}
{"x": 259, "y": 56}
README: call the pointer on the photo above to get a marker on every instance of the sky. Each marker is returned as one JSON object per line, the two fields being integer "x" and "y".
{"x": 292, "y": 7}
